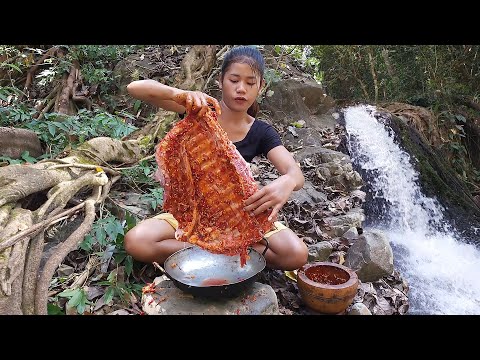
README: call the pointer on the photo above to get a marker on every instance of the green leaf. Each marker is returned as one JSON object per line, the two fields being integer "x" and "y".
{"x": 120, "y": 256}
{"x": 153, "y": 204}
{"x": 112, "y": 276}
{"x": 104, "y": 283}
{"x": 87, "y": 243}
{"x": 51, "y": 129}
{"x": 128, "y": 265}
{"x": 108, "y": 295}
{"x": 130, "y": 220}
{"x": 81, "y": 308}
{"x": 136, "y": 105}
{"x": 111, "y": 230}
{"x": 120, "y": 230}
{"x": 77, "y": 298}
{"x": 14, "y": 67}
{"x": 53, "y": 309}
{"x": 28, "y": 158}
{"x": 61, "y": 126}
{"x": 100, "y": 235}
{"x": 68, "y": 293}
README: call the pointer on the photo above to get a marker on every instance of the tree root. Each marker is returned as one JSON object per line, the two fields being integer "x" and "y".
{"x": 31, "y": 72}
{"x": 63, "y": 105}
{"x": 23, "y": 284}
{"x": 196, "y": 64}
{"x": 32, "y": 265}
{"x": 40, "y": 226}
{"x": 70, "y": 244}
{"x": 21, "y": 229}
{"x": 12, "y": 258}
{"x": 19, "y": 181}
{"x": 86, "y": 166}
{"x": 49, "y": 102}
{"x": 59, "y": 195}
{"x": 107, "y": 150}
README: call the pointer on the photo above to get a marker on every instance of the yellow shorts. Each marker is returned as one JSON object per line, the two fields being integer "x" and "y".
{"x": 277, "y": 225}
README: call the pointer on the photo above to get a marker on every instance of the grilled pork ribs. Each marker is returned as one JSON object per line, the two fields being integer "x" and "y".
{"x": 206, "y": 181}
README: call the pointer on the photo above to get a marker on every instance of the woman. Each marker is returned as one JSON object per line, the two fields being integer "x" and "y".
{"x": 241, "y": 80}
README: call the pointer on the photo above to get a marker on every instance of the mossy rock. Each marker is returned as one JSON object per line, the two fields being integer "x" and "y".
{"x": 438, "y": 180}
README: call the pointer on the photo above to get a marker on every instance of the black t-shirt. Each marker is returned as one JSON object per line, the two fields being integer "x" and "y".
{"x": 260, "y": 139}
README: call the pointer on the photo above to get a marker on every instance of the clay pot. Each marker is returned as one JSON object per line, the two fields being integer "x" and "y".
{"x": 327, "y": 287}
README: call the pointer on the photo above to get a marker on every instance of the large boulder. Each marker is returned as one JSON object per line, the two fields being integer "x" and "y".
{"x": 260, "y": 299}
{"x": 292, "y": 100}
{"x": 13, "y": 142}
{"x": 370, "y": 256}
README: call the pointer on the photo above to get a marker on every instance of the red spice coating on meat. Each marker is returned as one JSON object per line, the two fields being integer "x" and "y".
{"x": 206, "y": 181}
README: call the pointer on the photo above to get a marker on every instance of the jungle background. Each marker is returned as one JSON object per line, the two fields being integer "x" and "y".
{"x": 84, "y": 175}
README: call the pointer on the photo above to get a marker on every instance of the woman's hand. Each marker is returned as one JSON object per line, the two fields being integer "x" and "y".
{"x": 196, "y": 102}
{"x": 274, "y": 195}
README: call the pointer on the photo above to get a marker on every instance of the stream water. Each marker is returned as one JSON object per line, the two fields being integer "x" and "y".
{"x": 442, "y": 270}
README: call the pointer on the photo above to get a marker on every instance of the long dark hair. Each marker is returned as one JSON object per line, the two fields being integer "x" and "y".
{"x": 245, "y": 55}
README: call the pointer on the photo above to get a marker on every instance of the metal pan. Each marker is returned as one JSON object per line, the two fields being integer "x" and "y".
{"x": 203, "y": 273}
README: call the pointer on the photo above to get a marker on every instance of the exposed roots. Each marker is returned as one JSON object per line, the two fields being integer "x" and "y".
{"x": 32, "y": 71}
{"x": 196, "y": 65}
{"x": 32, "y": 265}
{"x": 32, "y": 230}
{"x": 107, "y": 150}
{"x": 63, "y": 106}
{"x": 71, "y": 243}
{"x": 22, "y": 230}
{"x": 23, "y": 282}
{"x": 59, "y": 195}
{"x": 19, "y": 181}
{"x": 12, "y": 258}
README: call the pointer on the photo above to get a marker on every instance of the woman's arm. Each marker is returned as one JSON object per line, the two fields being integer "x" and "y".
{"x": 275, "y": 194}
{"x": 284, "y": 162}
{"x": 170, "y": 98}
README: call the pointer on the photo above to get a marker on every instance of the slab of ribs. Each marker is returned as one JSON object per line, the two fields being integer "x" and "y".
{"x": 206, "y": 181}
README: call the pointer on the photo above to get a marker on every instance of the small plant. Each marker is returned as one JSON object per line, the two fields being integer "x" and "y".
{"x": 25, "y": 158}
{"x": 106, "y": 240}
{"x": 154, "y": 197}
{"x": 119, "y": 289}
{"x": 74, "y": 130}
{"x": 105, "y": 231}
{"x": 272, "y": 76}
{"x": 141, "y": 175}
{"x": 77, "y": 299}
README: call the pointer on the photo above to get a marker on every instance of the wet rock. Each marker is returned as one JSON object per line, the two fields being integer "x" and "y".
{"x": 340, "y": 224}
{"x": 371, "y": 256}
{"x": 351, "y": 235}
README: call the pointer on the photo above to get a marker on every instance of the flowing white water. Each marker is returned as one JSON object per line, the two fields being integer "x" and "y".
{"x": 442, "y": 271}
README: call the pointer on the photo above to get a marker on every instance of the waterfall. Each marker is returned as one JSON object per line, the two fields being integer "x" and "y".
{"x": 441, "y": 269}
